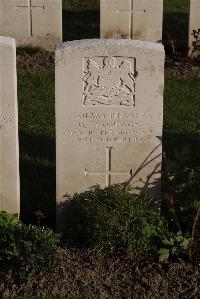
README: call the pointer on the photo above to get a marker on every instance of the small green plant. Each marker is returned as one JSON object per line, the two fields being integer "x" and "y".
{"x": 26, "y": 249}
{"x": 114, "y": 219}
{"x": 173, "y": 247}
{"x": 182, "y": 187}
{"x": 9, "y": 221}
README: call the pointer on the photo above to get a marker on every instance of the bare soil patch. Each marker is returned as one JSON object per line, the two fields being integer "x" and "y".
{"x": 41, "y": 60}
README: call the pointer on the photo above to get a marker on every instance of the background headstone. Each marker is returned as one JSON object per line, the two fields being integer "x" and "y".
{"x": 194, "y": 23}
{"x": 136, "y": 19}
{"x": 109, "y": 115}
{"x": 32, "y": 22}
{"x": 9, "y": 148}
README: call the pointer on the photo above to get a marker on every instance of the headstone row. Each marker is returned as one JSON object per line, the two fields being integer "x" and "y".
{"x": 39, "y": 22}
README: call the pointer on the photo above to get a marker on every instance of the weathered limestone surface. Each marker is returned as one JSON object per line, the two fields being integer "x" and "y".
{"x": 32, "y": 22}
{"x": 109, "y": 115}
{"x": 9, "y": 148}
{"x": 194, "y": 21}
{"x": 136, "y": 19}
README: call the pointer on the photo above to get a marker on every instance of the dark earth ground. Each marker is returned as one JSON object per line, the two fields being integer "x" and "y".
{"x": 86, "y": 273}
{"x": 41, "y": 60}
{"x": 92, "y": 274}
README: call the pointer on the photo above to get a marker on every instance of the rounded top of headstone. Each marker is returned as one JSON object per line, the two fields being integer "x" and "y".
{"x": 95, "y": 43}
{"x": 7, "y": 40}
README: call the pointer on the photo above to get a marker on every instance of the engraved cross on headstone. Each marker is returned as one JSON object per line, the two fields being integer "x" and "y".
{"x": 108, "y": 172}
{"x": 131, "y": 12}
{"x": 30, "y": 7}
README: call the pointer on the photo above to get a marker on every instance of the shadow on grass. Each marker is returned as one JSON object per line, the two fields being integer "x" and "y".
{"x": 175, "y": 141}
{"x": 175, "y": 25}
{"x": 38, "y": 177}
{"x": 81, "y": 24}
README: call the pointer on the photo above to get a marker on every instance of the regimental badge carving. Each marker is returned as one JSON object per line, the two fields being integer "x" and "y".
{"x": 109, "y": 81}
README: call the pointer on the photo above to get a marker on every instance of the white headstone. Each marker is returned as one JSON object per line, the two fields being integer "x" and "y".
{"x": 109, "y": 115}
{"x": 136, "y": 19}
{"x": 9, "y": 148}
{"x": 32, "y": 22}
{"x": 194, "y": 23}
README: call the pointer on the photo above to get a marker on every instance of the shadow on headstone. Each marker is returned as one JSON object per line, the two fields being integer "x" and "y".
{"x": 152, "y": 183}
{"x": 149, "y": 186}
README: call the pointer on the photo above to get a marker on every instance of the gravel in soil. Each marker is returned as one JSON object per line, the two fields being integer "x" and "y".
{"x": 92, "y": 274}
{"x": 182, "y": 68}
{"x": 42, "y": 60}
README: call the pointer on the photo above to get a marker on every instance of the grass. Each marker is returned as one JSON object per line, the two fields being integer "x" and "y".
{"x": 30, "y": 50}
{"x": 181, "y": 115}
{"x": 36, "y": 109}
{"x": 175, "y": 22}
{"x": 176, "y": 6}
{"x": 182, "y": 105}
{"x": 81, "y": 19}
{"x": 77, "y": 5}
